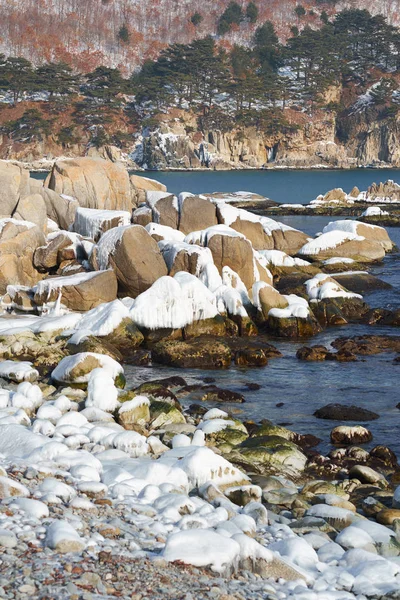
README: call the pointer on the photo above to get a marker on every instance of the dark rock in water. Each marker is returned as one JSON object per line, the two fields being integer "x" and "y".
{"x": 293, "y": 327}
{"x": 209, "y": 379}
{"x": 360, "y": 283}
{"x": 328, "y": 313}
{"x": 250, "y": 357}
{"x": 216, "y": 394}
{"x": 385, "y": 455}
{"x": 175, "y": 381}
{"x": 252, "y": 386}
{"x": 321, "y": 353}
{"x": 197, "y": 409}
{"x": 139, "y": 358}
{"x": 341, "y": 412}
{"x": 280, "y": 404}
{"x": 200, "y": 353}
{"x": 382, "y": 220}
{"x": 376, "y": 315}
{"x": 365, "y": 345}
{"x": 313, "y": 353}
{"x": 156, "y": 391}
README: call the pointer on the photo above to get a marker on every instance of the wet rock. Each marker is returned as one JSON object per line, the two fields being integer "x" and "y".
{"x": 293, "y": 327}
{"x": 361, "y": 283}
{"x": 250, "y": 357}
{"x": 222, "y": 395}
{"x": 203, "y": 354}
{"x": 350, "y": 435}
{"x": 341, "y": 412}
{"x": 366, "y": 475}
{"x": 387, "y": 516}
{"x": 313, "y": 353}
{"x": 365, "y": 345}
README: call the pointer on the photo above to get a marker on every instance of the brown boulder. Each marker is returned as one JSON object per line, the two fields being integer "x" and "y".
{"x": 196, "y": 213}
{"x": 94, "y": 182}
{"x": 343, "y": 245}
{"x": 79, "y": 292}
{"x": 164, "y": 208}
{"x": 134, "y": 256}
{"x": 17, "y": 247}
{"x": 269, "y": 297}
{"x": 60, "y": 209}
{"x": 14, "y": 184}
{"x": 32, "y": 208}
{"x": 49, "y": 256}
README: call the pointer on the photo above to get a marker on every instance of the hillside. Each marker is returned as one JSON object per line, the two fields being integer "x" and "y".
{"x": 86, "y": 34}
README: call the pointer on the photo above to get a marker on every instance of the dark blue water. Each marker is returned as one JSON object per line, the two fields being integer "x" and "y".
{"x": 288, "y": 186}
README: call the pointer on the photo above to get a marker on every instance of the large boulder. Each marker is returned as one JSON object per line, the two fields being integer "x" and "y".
{"x": 92, "y": 222}
{"x": 79, "y": 292}
{"x": 202, "y": 354}
{"x": 18, "y": 242}
{"x": 342, "y": 244}
{"x": 164, "y": 207}
{"x": 94, "y": 182}
{"x": 196, "y": 213}
{"x": 14, "y": 185}
{"x": 180, "y": 256}
{"x": 230, "y": 248}
{"x": 54, "y": 252}
{"x": 263, "y": 232}
{"x": 60, "y": 209}
{"x": 32, "y": 208}
{"x": 134, "y": 256}
{"x": 267, "y": 297}
{"x": 372, "y": 233}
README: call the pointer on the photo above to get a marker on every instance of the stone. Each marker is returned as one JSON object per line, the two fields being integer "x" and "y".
{"x": 162, "y": 414}
{"x": 268, "y": 298}
{"x": 8, "y": 539}
{"x": 363, "y": 251}
{"x": 197, "y": 353}
{"x": 366, "y": 475}
{"x": 32, "y": 208}
{"x": 135, "y": 259}
{"x": 350, "y": 435}
{"x": 61, "y": 209}
{"x": 10, "y": 488}
{"x": 196, "y": 213}
{"x": 94, "y": 182}
{"x": 134, "y": 413}
{"x": 63, "y": 538}
{"x": 387, "y": 516}
{"x": 49, "y": 256}
{"x": 80, "y": 292}
{"x": 16, "y": 256}
{"x": 14, "y": 185}
{"x": 341, "y": 412}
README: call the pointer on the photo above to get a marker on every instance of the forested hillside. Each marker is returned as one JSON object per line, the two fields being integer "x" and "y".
{"x": 326, "y": 95}
{"x": 122, "y": 33}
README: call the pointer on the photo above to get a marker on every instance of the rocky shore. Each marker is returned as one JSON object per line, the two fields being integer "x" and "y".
{"x": 114, "y": 490}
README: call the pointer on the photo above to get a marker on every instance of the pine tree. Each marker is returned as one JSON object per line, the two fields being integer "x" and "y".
{"x": 252, "y": 12}
{"x": 57, "y": 78}
{"x": 16, "y": 76}
{"x": 123, "y": 34}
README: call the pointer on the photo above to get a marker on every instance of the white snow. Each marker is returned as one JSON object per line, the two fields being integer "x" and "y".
{"x": 328, "y": 240}
{"x": 89, "y": 222}
{"x": 322, "y": 286}
{"x": 281, "y": 259}
{"x": 18, "y": 371}
{"x": 202, "y": 548}
{"x": 165, "y": 232}
{"x": 298, "y": 307}
{"x": 67, "y": 364}
{"x": 174, "y": 302}
{"x": 374, "y": 211}
{"x": 102, "y": 392}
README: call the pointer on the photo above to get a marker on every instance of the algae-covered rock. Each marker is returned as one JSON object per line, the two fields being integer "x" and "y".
{"x": 202, "y": 354}
{"x": 162, "y": 413}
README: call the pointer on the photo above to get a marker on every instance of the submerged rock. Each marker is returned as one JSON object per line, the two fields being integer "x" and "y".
{"x": 341, "y": 412}
{"x": 199, "y": 353}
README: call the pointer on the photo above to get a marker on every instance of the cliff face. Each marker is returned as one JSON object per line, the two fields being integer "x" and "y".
{"x": 325, "y": 140}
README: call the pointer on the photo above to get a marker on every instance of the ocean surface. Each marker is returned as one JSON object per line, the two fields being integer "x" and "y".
{"x": 288, "y": 186}
{"x": 372, "y": 382}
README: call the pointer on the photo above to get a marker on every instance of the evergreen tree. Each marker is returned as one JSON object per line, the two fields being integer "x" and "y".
{"x": 252, "y": 12}
{"x": 57, "y": 78}
{"x": 16, "y": 76}
{"x": 123, "y": 34}
{"x": 196, "y": 19}
{"x": 104, "y": 84}
{"x": 232, "y": 15}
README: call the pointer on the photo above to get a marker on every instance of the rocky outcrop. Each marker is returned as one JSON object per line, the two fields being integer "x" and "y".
{"x": 133, "y": 255}
{"x": 78, "y": 292}
{"x": 14, "y": 185}
{"x": 18, "y": 242}
{"x": 94, "y": 182}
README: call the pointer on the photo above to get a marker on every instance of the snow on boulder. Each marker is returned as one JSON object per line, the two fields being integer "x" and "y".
{"x": 195, "y": 213}
{"x": 79, "y": 292}
{"x": 103, "y": 319}
{"x": 338, "y": 243}
{"x": 180, "y": 256}
{"x": 323, "y": 286}
{"x": 33, "y": 508}
{"x": 203, "y": 548}
{"x": 232, "y": 249}
{"x": 18, "y": 371}
{"x": 372, "y": 233}
{"x": 163, "y": 232}
{"x": 92, "y": 222}
{"x": 134, "y": 256}
{"x": 63, "y": 538}
{"x": 78, "y": 367}
{"x": 374, "y": 211}
{"x": 174, "y": 302}
{"x": 165, "y": 208}
{"x": 10, "y": 487}
{"x": 102, "y": 392}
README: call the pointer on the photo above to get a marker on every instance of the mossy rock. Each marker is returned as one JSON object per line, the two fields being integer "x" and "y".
{"x": 215, "y": 327}
{"x": 140, "y": 415}
{"x": 293, "y": 327}
{"x": 156, "y": 391}
{"x": 230, "y": 436}
{"x": 274, "y": 452}
{"x": 154, "y": 336}
{"x": 328, "y": 313}
{"x": 246, "y": 327}
{"x": 201, "y": 353}
{"x": 251, "y": 357}
{"x": 273, "y": 430}
{"x": 97, "y": 345}
{"x": 125, "y": 337}
{"x": 120, "y": 381}
{"x": 162, "y": 413}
